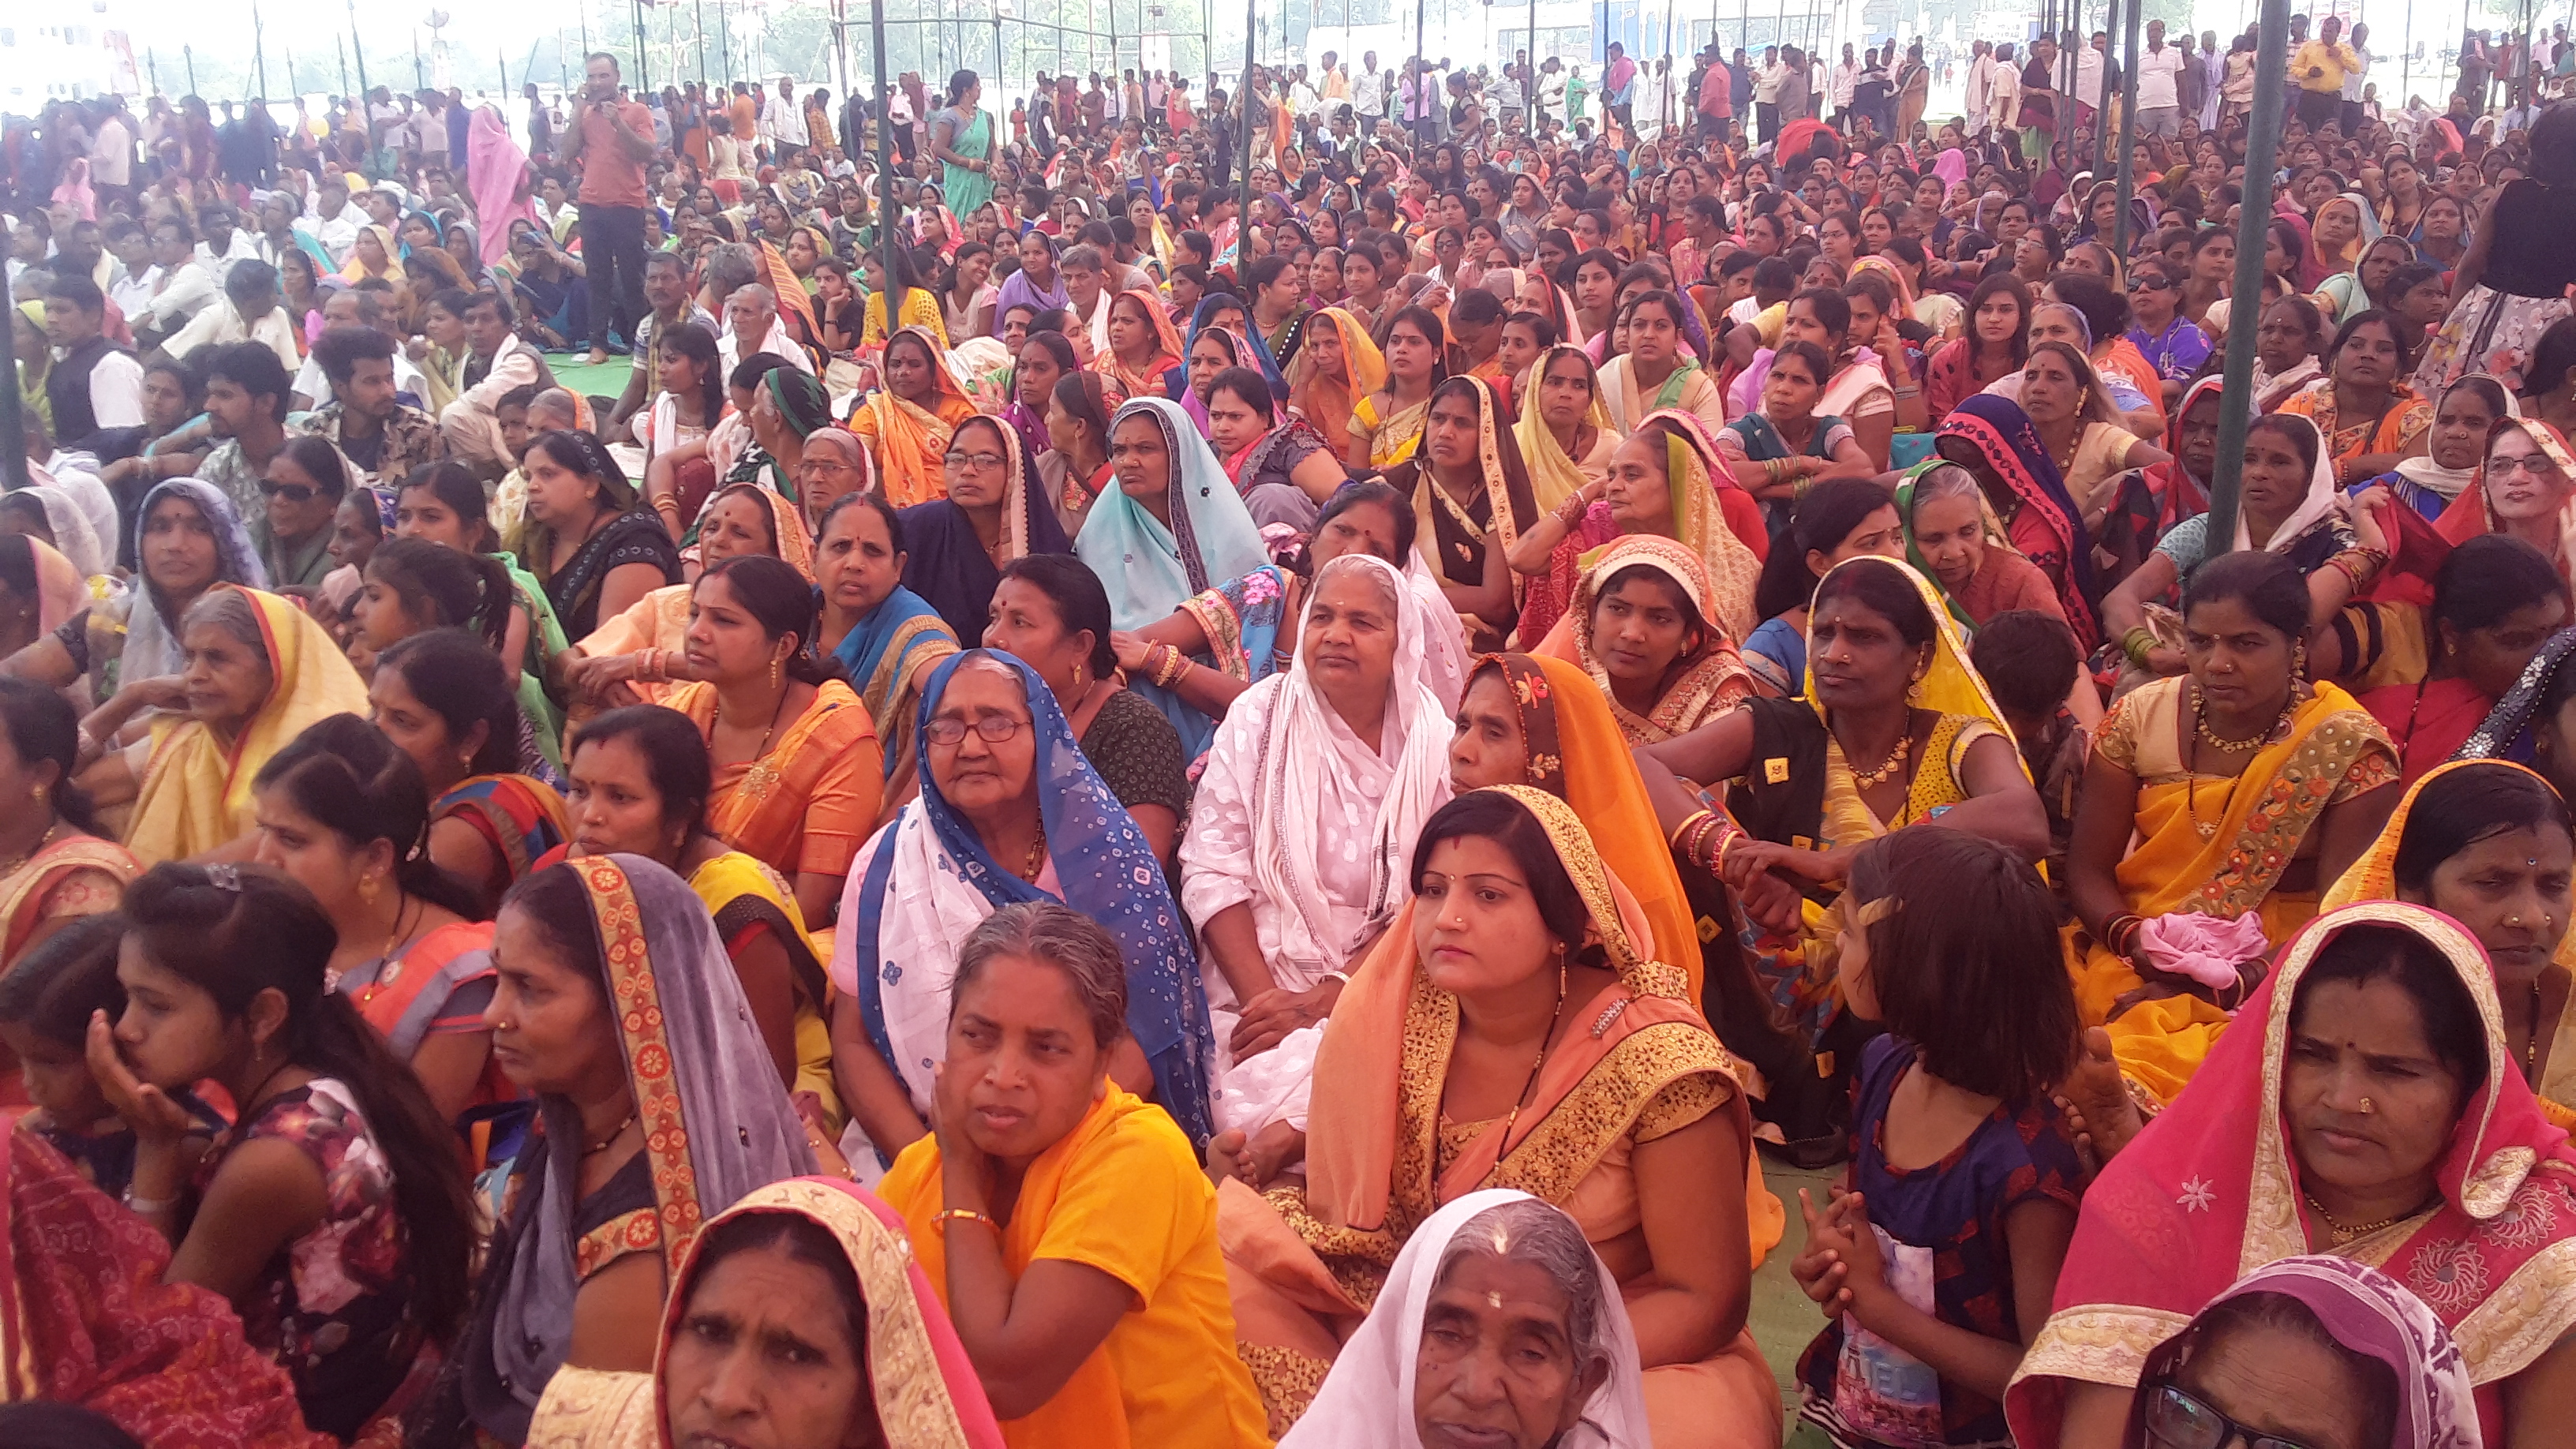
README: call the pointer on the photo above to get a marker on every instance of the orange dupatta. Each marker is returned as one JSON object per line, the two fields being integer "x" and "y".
{"x": 910, "y": 441}
{"x": 1146, "y": 381}
{"x": 1328, "y": 402}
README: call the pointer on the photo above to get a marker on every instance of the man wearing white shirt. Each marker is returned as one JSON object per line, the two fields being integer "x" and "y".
{"x": 92, "y": 383}
{"x": 1980, "y": 83}
{"x": 1766, "y": 94}
{"x": 499, "y": 362}
{"x": 2159, "y": 85}
{"x": 1847, "y": 80}
{"x": 1368, "y": 94}
{"x": 2089, "y": 72}
{"x": 752, "y": 311}
{"x": 2355, "y": 78}
{"x": 350, "y": 307}
{"x": 2003, "y": 93}
{"x": 782, "y": 126}
{"x": 2213, "y": 70}
{"x": 111, "y": 154}
{"x": 251, "y": 311}
{"x": 222, "y": 241}
{"x": 182, "y": 288}
{"x": 130, "y": 282}
{"x": 333, "y": 221}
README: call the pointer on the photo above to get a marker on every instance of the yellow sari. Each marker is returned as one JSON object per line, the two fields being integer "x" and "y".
{"x": 1554, "y": 475}
{"x": 746, "y": 897}
{"x": 1393, "y": 439}
{"x": 2374, "y": 878}
{"x": 1306, "y": 1263}
{"x": 1330, "y": 404}
{"x": 196, "y": 792}
{"x": 2213, "y": 846}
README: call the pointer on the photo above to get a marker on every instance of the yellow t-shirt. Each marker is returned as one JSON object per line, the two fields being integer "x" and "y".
{"x": 2331, "y": 61}
{"x": 1135, "y": 1205}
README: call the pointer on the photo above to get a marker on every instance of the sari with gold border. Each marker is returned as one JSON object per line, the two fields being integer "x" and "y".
{"x": 920, "y": 1384}
{"x": 1706, "y": 686}
{"x": 1306, "y": 1263}
{"x": 2210, "y": 1192}
{"x": 2223, "y": 856}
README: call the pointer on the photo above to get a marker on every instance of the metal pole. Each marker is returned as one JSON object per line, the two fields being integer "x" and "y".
{"x": 188, "y": 53}
{"x": 841, "y": 43}
{"x": 885, "y": 170}
{"x": 1421, "y": 123}
{"x": 344, "y": 72}
{"x": 2128, "y": 113}
{"x": 419, "y": 72}
{"x": 701, "y": 21}
{"x": 2254, "y": 216}
{"x": 13, "y": 428}
{"x": 1529, "y": 72}
{"x": 259, "y": 48}
{"x": 643, "y": 71}
{"x": 724, "y": 43}
{"x": 1243, "y": 199}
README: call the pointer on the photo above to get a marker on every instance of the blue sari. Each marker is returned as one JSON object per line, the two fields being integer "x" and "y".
{"x": 882, "y": 650}
{"x": 1105, "y": 870}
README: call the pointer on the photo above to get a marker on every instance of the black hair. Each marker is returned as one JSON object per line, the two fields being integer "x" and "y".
{"x": 78, "y": 292}
{"x": 2269, "y": 586}
{"x": 342, "y": 773}
{"x": 1824, "y": 518}
{"x": 1079, "y": 600}
{"x": 2380, "y": 316}
{"x": 456, "y": 676}
{"x": 1495, "y": 816}
{"x": 1477, "y": 307}
{"x": 251, "y": 367}
{"x": 2361, "y": 954}
{"x": 556, "y": 905}
{"x": 1057, "y": 345}
{"x": 249, "y": 280}
{"x": 1075, "y": 392}
{"x": 321, "y": 462}
{"x": 446, "y": 587}
{"x": 748, "y": 372}
{"x": 1819, "y": 363}
{"x": 1247, "y": 384}
{"x": 1373, "y": 491}
{"x": 454, "y": 485}
{"x": 255, "y": 930}
{"x": 2011, "y": 285}
{"x": 42, "y": 725}
{"x": 675, "y": 754}
{"x": 699, "y": 345}
{"x": 2105, "y": 312}
{"x": 2490, "y": 576}
{"x": 782, "y": 602}
{"x": 1966, "y": 924}
{"x": 1674, "y": 594}
{"x": 797, "y": 1236}
{"x": 2458, "y": 808}
{"x": 57, "y": 983}
{"x": 1828, "y": 305}
{"x": 875, "y": 503}
{"x": 2028, "y": 659}
{"x": 1877, "y": 585}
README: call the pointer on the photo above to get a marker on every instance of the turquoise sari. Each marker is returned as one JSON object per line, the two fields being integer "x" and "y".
{"x": 883, "y": 649}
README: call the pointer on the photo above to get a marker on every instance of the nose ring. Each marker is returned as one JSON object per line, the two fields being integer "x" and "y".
{"x": 2366, "y": 1108}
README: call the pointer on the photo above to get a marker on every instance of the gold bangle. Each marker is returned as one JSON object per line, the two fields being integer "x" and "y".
{"x": 1688, "y": 821}
{"x": 963, "y": 1214}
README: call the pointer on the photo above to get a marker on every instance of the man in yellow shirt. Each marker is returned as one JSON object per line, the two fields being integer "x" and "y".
{"x": 2319, "y": 69}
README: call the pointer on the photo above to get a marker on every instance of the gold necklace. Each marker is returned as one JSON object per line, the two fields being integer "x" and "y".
{"x": 2342, "y": 1234}
{"x": 2200, "y": 722}
{"x": 11, "y": 866}
{"x": 1872, "y": 779}
{"x": 1035, "y": 860}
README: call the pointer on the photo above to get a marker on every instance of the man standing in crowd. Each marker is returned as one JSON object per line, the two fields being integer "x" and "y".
{"x": 2160, "y": 70}
{"x": 2319, "y": 69}
{"x": 612, "y": 138}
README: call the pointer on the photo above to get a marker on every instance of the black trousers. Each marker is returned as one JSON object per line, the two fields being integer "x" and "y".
{"x": 612, "y": 253}
{"x": 1766, "y": 116}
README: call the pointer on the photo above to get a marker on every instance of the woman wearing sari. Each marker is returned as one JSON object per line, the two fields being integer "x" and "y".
{"x": 1994, "y": 440}
{"x": 2464, "y": 1193}
{"x": 1471, "y": 501}
{"x": 641, "y": 781}
{"x": 1564, "y": 427}
{"x": 2455, "y": 446}
{"x": 1386, "y": 424}
{"x": 1283, "y": 468}
{"x": 445, "y": 505}
{"x": 1656, "y": 373}
{"x": 1412, "y": 1111}
{"x": 1950, "y": 537}
{"x": 2528, "y": 490}
{"x": 2298, "y": 779}
{"x": 885, "y": 636}
{"x": 645, "y": 648}
{"x": 496, "y": 172}
{"x": 615, "y": 1001}
{"x": 374, "y": 254}
{"x": 441, "y": 697}
{"x": 65, "y": 868}
{"x": 821, "y": 1262}
{"x": 797, "y": 774}
{"x": 1335, "y": 366}
{"x": 189, "y": 539}
{"x": 1779, "y": 450}
{"x": 961, "y": 136}
{"x": 1315, "y": 782}
{"x": 906, "y": 424}
{"x": 1405, "y": 1375}
{"x": 258, "y": 670}
{"x": 1173, "y": 528}
{"x": 594, "y": 552}
{"x": 1839, "y": 519}
{"x": 2431, "y": 676}
{"x": 1143, "y": 344}
{"x": 1010, "y": 812}
{"x": 1643, "y": 626}
{"x": 2485, "y": 842}
{"x": 1894, "y": 729}
{"x": 2371, "y": 420}
{"x": 993, "y": 511}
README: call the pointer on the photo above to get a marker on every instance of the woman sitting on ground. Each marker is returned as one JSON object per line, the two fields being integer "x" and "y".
{"x": 641, "y": 655}
{"x": 1282, "y": 466}
{"x": 1642, "y": 625}
{"x": 993, "y": 513}
{"x": 1839, "y": 520}
{"x": 595, "y": 552}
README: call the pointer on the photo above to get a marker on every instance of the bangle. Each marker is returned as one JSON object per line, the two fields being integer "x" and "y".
{"x": 2137, "y": 644}
{"x": 947, "y": 1215}
{"x": 1571, "y": 511}
{"x": 1724, "y": 836}
{"x": 2120, "y": 933}
{"x": 1903, "y": 393}
{"x": 1688, "y": 822}
{"x": 143, "y": 1206}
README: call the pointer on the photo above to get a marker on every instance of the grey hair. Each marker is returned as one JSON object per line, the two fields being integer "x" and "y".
{"x": 732, "y": 265}
{"x": 1063, "y": 938}
{"x": 1946, "y": 480}
{"x": 1084, "y": 258}
{"x": 229, "y": 610}
{"x": 1533, "y": 1232}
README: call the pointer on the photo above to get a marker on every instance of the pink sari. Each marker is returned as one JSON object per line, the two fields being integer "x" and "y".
{"x": 2210, "y": 1192}
{"x": 496, "y": 172}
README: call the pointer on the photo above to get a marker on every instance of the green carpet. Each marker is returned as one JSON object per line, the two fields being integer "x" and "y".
{"x": 574, "y": 372}
{"x": 1782, "y": 1318}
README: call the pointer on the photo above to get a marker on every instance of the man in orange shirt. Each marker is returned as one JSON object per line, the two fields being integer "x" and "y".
{"x": 610, "y": 139}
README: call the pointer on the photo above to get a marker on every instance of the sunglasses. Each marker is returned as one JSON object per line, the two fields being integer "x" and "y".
{"x": 2151, "y": 284}
{"x": 291, "y": 492}
{"x": 2176, "y": 1420}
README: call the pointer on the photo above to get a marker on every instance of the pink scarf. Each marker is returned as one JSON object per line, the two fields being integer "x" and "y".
{"x": 495, "y": 171}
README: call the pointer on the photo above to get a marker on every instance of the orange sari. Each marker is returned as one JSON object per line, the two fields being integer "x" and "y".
{"x": 808, "y": 803}
{"x": 1145, "y": 381}
{"x": 908, "y": 442}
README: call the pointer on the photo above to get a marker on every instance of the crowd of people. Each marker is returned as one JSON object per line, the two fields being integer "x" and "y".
{"x": 1082, "y": 815}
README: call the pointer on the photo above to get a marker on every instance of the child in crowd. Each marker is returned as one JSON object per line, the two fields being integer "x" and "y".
{"x": 2030, "y": 662}
{"x": 1936, "y": 1262}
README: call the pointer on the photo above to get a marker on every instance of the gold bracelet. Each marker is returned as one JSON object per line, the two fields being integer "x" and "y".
{"x": 1688, "y": 821}
{"x": 965, "y": 1215}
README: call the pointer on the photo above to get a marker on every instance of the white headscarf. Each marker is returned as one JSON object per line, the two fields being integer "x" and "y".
{"x": 1366, "y": 1402}
{"x": 2324, "y": 497}
{"x": 1303, "y": 771}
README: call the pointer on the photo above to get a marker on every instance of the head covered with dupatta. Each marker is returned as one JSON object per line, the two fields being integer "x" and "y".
{"x": 1328, "y": 401}
{"x": 1367, "y": 1400}
{"x": 1711, "y": 679}
{"x": 1993, "y": 438}
{"x": 1148, "y": 567}
{"x": 1950, "y": 684}
{"x": 2211, "y": 1192}
{"x": 1554, "y": 476}
{"x": 151, "y": 629}
{"x": 1693, "y": 473}
{"x": 921, "y": 1386}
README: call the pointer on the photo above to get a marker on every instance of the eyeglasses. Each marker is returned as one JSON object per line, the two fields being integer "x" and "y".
{"x": 2151, "y": 284}
{"x": 291, "y": 492}
{"x": 978, "y": 462}
{"x": 2535, "y": 464}
{"x": 2176, "y": 1420}
{"x": 994, "y": 728}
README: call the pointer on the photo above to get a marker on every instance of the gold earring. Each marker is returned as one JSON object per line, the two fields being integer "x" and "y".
{"x": 38, "y": 795}
{"x": 775, "y": 663}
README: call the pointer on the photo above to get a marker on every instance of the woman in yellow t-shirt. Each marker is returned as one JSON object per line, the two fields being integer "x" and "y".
{"x": 1064, "y": 1221}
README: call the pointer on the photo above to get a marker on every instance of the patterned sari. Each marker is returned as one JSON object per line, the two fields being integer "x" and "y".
{"x": 811, "y": 797}
{"x": 749, "y": 900}
{"x": 1454, "y": 536}
{"x": 2211, "y": 1192}
{"x": 1704, "y": 685}
{"x": 519, "y": 816}
{"x": 1382, "y": 1157}
{"x": 908, "y": 441}
{"x": 1328, "y": 403}
{"x": 2221, "y": 858}
{"x": 920, "y": 1383}
{"x": 74, "y": 875}
{"x": 1994, "y": 439}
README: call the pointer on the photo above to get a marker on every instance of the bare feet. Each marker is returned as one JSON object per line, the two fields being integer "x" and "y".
{"x": 597, "y": 357}
{"x": 2096, "y": 1101}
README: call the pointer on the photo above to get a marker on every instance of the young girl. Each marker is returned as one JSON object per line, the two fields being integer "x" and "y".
{"x": 45, "y": 1004}
{"x": 1937, "y": 1262}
